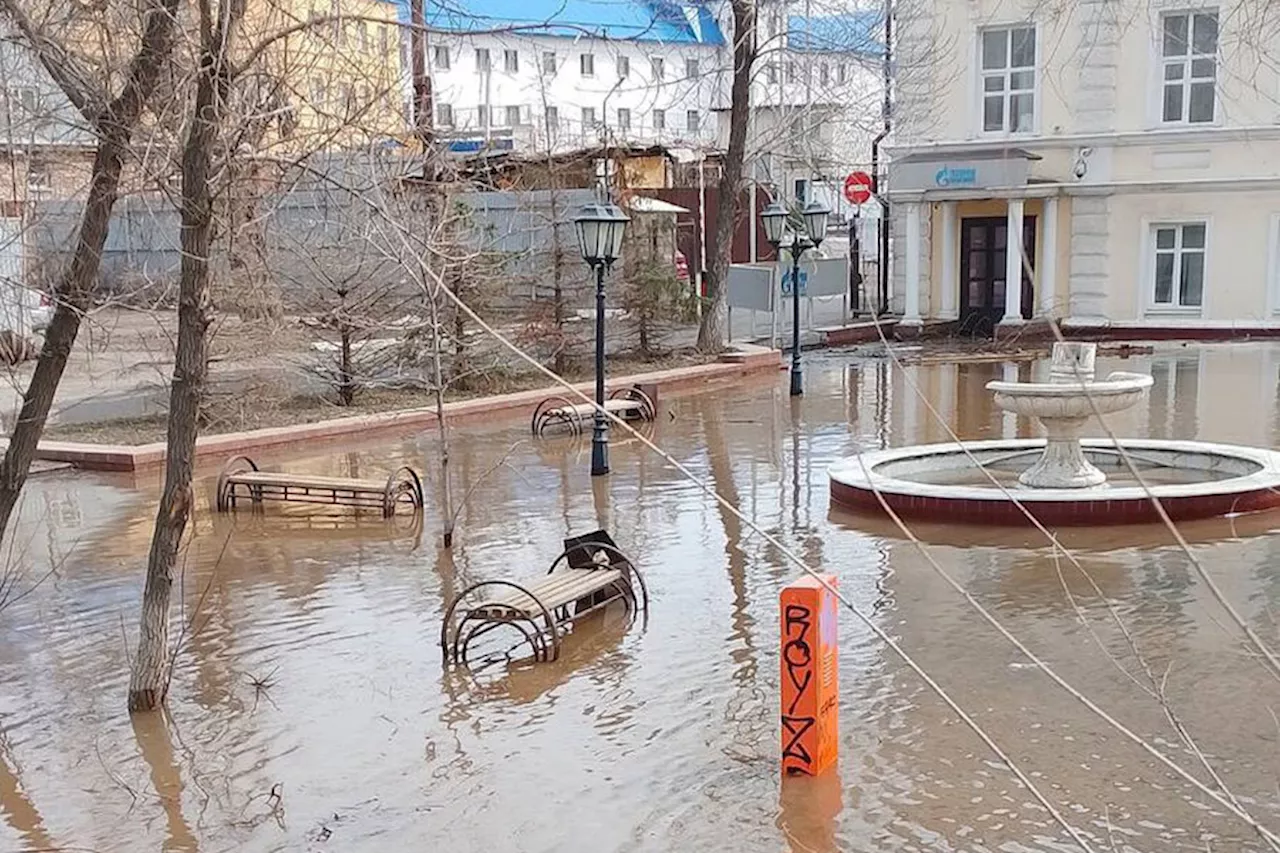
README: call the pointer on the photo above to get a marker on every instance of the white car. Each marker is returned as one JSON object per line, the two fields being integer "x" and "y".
{"x": 41, "y": 311}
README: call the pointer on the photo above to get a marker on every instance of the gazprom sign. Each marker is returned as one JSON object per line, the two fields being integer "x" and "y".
{"x": 956, "y": 176}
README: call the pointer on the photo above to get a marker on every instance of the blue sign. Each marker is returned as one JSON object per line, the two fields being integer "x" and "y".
{"x": 786, "y": 282}
{"x": 950, "y": 176}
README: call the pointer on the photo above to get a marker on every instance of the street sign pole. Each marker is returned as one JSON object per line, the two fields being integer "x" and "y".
{"x": 855, "y": 264}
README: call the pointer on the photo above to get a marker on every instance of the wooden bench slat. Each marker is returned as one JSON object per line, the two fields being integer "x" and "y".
{"x": 582, "y": 410}
{"x": 561, "y": 588}
{"x": 302, "y": 481}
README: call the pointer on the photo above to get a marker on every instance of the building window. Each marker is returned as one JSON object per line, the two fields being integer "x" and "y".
{"x": 771, "y": 73}
{"x": 791, "y": 72}
{"x": 365, "y": 44}
{"x": 444, "y": 115}
{"x": 658, "y": 67}
{"x": 624, "y": 118}
{"x": 548, "y": 63}
{"x": 659, "y": 119}
{"x": 1189, "y": 54}
{"x": 824, "y": 74}
{"x": 511, "y": 61}
{"x": 693, "y": 121}
{"x": 843, "y": 73}
{"x": 588, "y": 117}
{"x": 624, "y": 67}
{"x": 691, "y": 69}
{"x": 39, "y": 178}
{"x": 482, "y": 59}
{"x": 319, "y": 93}
{"x": 587, "y": 64}
{"x": 553, "y": 119}
{"x": 1178, "y": 267}
{"x": 1008, "y": 80}
{"x": 801, "y": 189}
{"x": 384, "y": 43}
{"x": 440, "y": 57}
{"x": 513, "y": 116}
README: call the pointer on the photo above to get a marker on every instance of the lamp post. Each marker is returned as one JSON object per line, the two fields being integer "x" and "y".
{"x": 813, "y": 228}
{"x": 600, "y": 228}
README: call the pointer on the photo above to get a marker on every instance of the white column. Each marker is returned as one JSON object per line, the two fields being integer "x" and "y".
{"x": 911, "y": 299}
{"x": 950, "y": 262}
{"x": 1047, "y": 274}
{"x": 1013, "y": 264}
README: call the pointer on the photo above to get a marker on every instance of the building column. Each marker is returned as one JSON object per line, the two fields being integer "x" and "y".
{"x": 1048, "y": 270}
{"x": 911, "y": 265}
{"x": 1013, "y": 265}
{"x": 950, "y": 263}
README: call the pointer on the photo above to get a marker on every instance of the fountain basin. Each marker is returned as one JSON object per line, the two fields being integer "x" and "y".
{"x": 1192, "y": 479}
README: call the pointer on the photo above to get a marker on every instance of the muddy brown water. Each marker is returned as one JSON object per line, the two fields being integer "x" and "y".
{"x": 310, "y": 710}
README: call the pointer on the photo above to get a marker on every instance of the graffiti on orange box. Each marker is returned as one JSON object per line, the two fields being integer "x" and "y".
{"x": 809, "y": 718}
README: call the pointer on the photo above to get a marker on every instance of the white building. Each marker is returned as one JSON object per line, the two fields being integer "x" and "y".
{"x": 1132, "y": 148}
{"x": 554, "y": 75}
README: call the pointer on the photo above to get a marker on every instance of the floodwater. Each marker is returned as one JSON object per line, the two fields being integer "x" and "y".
{"x": 309, "y": 709}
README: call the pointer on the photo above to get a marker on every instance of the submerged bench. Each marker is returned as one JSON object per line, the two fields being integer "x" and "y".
{"x": 588, "y": 576}
{"x": 635, "y": 402}
{"x": 242, "y": 479}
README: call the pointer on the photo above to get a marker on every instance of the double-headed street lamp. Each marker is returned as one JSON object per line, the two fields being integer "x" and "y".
{"x": 600, "y": 228}
{"x": 814, "y": 217}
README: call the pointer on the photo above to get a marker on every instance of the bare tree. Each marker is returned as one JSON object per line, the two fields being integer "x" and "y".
{"x": 149, "y": 681}
{"x": 711, "y": 330}
{"x": 113, "y": 118}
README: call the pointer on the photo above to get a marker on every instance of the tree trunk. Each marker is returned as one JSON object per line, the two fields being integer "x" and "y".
{"x": 346, "y": 374}
{"x": 74, "y": 290}
{"x": 711, "y": 331}
{"x": 150, "y": 678}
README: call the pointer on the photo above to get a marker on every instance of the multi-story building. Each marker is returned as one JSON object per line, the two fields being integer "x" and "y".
{"x": 1119, "y": 161}
{"x": 549, "y": 75}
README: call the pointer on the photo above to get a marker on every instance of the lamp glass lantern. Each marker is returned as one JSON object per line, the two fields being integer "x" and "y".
{"x": 774, "y": 217}
{"x": 601, "y": 228}
{"x": 815, "y": 221}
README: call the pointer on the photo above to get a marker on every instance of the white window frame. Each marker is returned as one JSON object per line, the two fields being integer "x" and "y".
{"x": 1006, "y": 74}
{"x": 657, "y": 68}
{"x": 624, "y": 118}
{"x": 484, "y": 60}
{"x": 589, "y": 121}
{"x": 693, "y": 117}
{"x": 1187, "y": 61}
{"x": 585, "y": 60}
{"x": 692, "y": 68}
{"x": 511, "y": 61}
{"x": 623, "y": 65}
{"x": 445, "y": 116}
{"x": 1149, "y": 252}
{"x": 509, "y": 115}
{"x": 659, "y": 120}
{"x": 440, "y": 51}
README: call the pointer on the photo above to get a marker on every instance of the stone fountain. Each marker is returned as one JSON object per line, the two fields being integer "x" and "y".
{"x": 1064, "y": 405}
{"x": 974, "y": 482}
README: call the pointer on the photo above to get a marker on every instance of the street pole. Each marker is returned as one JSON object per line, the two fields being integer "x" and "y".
{"x": 855, "y": 265}
{"x": 797, "y": 387}
{"x": 600, "y": 437}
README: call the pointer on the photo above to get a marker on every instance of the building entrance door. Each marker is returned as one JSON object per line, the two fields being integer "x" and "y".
{"x": 984, "y": 246}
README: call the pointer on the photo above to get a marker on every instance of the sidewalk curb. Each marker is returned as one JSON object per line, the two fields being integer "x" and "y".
{"x": 744, "y": 360}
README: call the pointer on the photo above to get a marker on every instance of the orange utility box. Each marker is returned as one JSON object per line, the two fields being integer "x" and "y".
{"x": 810, "y": 678}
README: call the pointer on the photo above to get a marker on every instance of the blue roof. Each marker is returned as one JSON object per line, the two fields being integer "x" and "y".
{"x": 675, "y": 21}
{"x": 856, "y": 32}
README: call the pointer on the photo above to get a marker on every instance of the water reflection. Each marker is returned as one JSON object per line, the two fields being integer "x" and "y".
{"x": 662, "y": 735}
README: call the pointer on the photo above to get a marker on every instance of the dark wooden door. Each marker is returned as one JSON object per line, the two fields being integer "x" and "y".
{"x": 984, "y": 246}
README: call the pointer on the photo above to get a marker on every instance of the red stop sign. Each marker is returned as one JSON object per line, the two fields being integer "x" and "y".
{"x": 857, "y": 188}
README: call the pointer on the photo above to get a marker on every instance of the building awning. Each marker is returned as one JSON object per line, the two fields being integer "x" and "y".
{"x": 973, "y": 170}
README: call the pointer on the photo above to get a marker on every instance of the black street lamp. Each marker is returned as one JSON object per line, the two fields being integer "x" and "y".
{"x": 814, "y": 219}
{"x": 600, "y": 228}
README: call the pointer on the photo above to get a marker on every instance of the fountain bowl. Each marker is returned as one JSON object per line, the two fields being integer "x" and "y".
{"x": 1191, "y": 479}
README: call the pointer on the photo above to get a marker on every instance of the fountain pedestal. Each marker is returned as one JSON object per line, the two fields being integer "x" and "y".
{"x": 1064, "y": 405}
